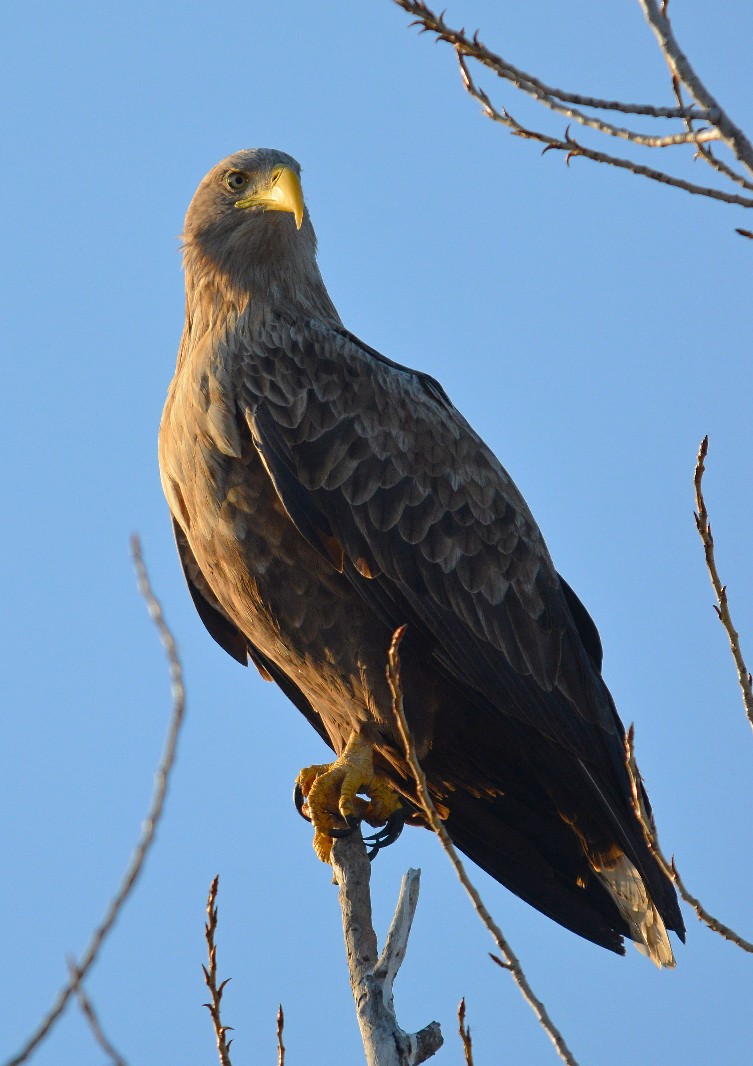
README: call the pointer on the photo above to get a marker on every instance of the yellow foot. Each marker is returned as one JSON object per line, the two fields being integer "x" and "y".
{"x": 330, "y": 794}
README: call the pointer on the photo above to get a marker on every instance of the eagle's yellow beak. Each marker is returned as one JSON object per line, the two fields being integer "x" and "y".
{"x": 284, "y": 194}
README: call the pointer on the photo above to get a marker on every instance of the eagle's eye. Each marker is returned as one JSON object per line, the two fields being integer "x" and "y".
{"x": 236, "y": 180}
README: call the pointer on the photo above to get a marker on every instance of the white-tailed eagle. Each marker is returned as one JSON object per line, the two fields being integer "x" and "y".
{"x": 322, "y": 496}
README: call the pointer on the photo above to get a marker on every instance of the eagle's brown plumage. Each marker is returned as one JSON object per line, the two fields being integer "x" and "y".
{"x": 322, "y": 496}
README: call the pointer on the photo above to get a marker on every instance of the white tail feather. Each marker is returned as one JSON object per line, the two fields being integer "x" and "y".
{"x": 626, "y": 887}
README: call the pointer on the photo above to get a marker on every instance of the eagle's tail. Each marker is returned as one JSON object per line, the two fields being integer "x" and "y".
{"x": 625, "y": 885}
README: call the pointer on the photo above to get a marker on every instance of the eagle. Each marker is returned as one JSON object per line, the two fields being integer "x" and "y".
{"x": 323, "y": 496}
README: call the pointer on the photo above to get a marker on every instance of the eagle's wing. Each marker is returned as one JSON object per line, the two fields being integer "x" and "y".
{"x": 385, "y": 478}
{"x": 231, "y": 639}
{"x": 219, "y": 625}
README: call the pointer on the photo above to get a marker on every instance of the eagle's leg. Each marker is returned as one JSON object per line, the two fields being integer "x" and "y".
{"x": 333, "y": 793}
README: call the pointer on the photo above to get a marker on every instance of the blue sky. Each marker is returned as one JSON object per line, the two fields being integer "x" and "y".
{"x": 592, "y": 326}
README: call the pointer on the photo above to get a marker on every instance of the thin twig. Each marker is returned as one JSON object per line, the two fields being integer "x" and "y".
{"x": 721, "y": 607}
{"x": 553, "y": 99}
{"x": 210, "y": 978}
{"x": 574, "y": 148}
{"x": 280, "y": 1045}
{"x": 510, "y": 958}
{"x": 646, "y": 140}
{"x": 669, "y": 868}
{"x": 472, "y": 47}
{"x": 465, "y": 1034}
{"x": 90, "y": 1014}
{"x": 152, "y": 819}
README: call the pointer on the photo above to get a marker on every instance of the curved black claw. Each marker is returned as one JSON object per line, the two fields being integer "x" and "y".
{"x": 388, "y": 834}
{"x": 300, "y": 802}
{"x": 338, "y": 834}
{"x": 353, "y": 823}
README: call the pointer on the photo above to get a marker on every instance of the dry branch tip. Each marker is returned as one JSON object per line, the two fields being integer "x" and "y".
{"x": 280, "y": 1045}
{"x": 465, "y": 1034}
{"x": 669, "y": 867}
{"x": 721, "y": 607}
{"x": 210, "y": 977}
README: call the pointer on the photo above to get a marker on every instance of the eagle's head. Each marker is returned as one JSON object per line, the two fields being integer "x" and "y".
{"x": 248, "y": 229}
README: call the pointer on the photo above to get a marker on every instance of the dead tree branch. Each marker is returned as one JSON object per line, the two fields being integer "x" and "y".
{"x": 156, "y": 808}
{"x": 669, "y": 867}
{"x": 576, "y": 107}
{"x": 210, "y": 978}
{"x": 511, "y": 960}
{"x": 703, "y": 525}
{"x": 372, "y": 975}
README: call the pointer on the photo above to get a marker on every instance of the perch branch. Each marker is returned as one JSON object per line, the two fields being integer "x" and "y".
{"x": 156, "y": 808}
{"x": 669, "y": 868}
{"x": 210, "y": 978}
{"x": 511, "y": 961}
{"x": 372, "y": 976}
{"x": 721, "y": 607}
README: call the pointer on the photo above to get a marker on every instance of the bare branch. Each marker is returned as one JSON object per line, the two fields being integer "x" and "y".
{"x": 465, "y": 1034}
{"x": 682, "y": 70}
{"x": 722, "y": 608}
{"x": 717, "y": 125}
{"x": 371, "y": 978}
{"x": 669, "y": 868}
{"x": 156, "y": 808}
{"x": 474, "y": 49}
{"x": 280, "y": 1045}
{"x": 210, "y": 979}
{"x": 90, "y": 1014}
{"x": 510, "y": 958}
{"x": 573, "y": 148}
{"x": 670, "y": 140}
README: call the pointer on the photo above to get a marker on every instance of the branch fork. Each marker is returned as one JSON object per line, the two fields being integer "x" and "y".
{"x": 372, "y": 974}
{"x": 589, "y": 111}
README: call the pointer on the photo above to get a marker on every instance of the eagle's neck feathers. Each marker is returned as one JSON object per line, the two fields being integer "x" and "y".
{"x": 265, "y": 266}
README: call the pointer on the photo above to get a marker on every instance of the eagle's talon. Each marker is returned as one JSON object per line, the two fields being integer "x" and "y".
{"x": 300, "y": 803}
{"x": 348, "y": 791}
{"x": 388, "y": 834}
